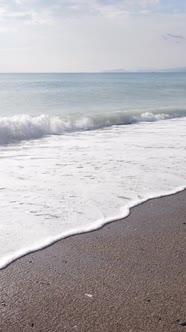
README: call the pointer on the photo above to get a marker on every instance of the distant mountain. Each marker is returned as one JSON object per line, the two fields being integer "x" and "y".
{"x": 166, "y": 70}
{"x": 175, "y": 70}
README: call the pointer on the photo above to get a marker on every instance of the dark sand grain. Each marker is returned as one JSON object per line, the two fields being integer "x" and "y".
{"x": 128, "y": 276}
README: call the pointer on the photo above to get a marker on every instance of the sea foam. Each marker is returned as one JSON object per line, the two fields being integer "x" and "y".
{"x": 64, "y": 185}
{"x": 26, "y": 127}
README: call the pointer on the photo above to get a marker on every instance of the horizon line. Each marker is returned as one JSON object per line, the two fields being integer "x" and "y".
{"x": 109, "y": 71}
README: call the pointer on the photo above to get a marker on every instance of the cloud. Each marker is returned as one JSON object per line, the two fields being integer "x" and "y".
{"x": 25, "y": 11}
{"x": 90, "y": 35}
{"x": 44, "y": 11}
{"x": 177, "y": 38}
{"x": 180, "y": 37}
{"x": 29, "y": 10}
{"x": 123, "y": 8}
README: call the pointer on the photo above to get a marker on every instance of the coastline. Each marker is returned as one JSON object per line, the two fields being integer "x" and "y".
{"x": 129, "y": 275}
{"x": 9, "y": 259}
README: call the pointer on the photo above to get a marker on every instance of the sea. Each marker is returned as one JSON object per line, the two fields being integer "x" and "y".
{"x": 80, "y": 150}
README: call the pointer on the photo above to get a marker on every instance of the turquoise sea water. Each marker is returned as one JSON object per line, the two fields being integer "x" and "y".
{"x": 57, "y": 94}
{"x": 78, "y": 102}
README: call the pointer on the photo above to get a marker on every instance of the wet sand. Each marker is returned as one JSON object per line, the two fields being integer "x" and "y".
{"x": 128, "y": 276}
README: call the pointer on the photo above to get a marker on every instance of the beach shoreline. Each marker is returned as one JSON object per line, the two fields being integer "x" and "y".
{"x": 130, "y": 275}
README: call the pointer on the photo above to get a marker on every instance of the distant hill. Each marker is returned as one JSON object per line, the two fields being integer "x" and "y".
{"x": 166, "y": 70}
{"x": 173, "y": 70}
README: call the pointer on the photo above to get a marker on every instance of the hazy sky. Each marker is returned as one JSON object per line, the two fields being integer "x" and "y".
{"x": 91, "y": 35}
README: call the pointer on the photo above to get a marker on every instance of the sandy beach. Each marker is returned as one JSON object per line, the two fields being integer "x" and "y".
{"x": 128, "y": 276}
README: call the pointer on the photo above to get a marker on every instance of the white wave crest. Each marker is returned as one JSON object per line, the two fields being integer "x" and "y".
{"x": 25, "y": 127}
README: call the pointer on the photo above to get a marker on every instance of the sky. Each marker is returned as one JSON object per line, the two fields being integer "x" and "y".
{"x": 91, "y": 35}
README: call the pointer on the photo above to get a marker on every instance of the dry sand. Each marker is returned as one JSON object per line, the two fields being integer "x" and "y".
{"x": 128, "y": 276}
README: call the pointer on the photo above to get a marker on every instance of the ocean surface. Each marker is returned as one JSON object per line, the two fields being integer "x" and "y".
{"x": 79, "y": 150}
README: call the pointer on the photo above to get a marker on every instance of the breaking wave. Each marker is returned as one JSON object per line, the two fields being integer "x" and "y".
{"x": 25, "y": 127}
